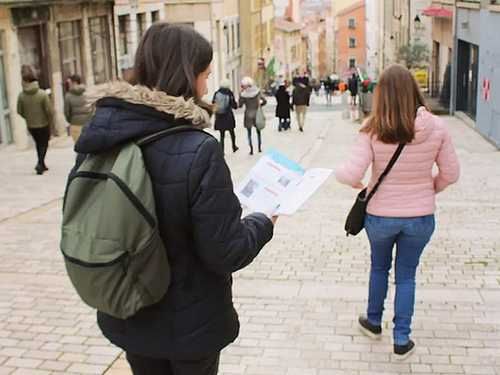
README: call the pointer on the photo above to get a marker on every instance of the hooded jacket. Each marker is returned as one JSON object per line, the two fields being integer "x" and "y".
{"x": 33, "y": 104}
{"x": 252, "y": 99}
{"x": 76, "y": 108}
{"x": 301, "y": 94}
{"x": 410, "y": 188}
{"x": 199, "y": 219}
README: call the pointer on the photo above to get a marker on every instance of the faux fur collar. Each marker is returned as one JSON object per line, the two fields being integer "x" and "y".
{"x": 178, "y": 107}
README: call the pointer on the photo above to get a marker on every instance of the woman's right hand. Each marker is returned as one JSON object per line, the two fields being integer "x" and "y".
{"x": 359, "y": 185}
{"x": 274, "y": 219}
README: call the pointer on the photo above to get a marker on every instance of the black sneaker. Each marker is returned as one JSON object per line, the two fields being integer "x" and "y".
{"x": 368, "y": 329}
{"x": 401, "y": 352}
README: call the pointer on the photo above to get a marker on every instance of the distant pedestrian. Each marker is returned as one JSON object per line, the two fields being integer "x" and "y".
{"x": 252, "y": 98}
{"x": 353, "y": 88}
{"x": 34, "y": 106}
{"x": 224, "y": 117}
{"x": 283, "y": 108}
{"x": 76, "y": 108}
{"x": 328, "y": 90}
{"x": 301, "y": 96}
{"x": 401, "y": 211}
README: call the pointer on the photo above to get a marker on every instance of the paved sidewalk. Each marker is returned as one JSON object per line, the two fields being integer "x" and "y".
{"x": 299, "y": 300}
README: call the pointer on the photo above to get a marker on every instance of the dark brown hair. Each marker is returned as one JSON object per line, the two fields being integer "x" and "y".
{"x": 170, "y": 58}
{"x": 76, "y": 78}
{"x": 396, "y": 100}
{"x": 27, "y": 74}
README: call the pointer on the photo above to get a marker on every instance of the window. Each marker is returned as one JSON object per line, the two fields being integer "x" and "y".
{"x": 258, "y": 37}
{"x": 238, "y": 37}
{"x": 226, "y": 37}
{"x": 352, "y": 62}
{"x": 100, "y": 49}
{"x": 141, "y": 25}
{"x": 123, "y": 30}
{"x": 155, "y": 16}
{"x": 352, "y": 42}
{"x": 233, "y": 38}
{"x": 70, "y": 42}
{"x": 352, "y": 23}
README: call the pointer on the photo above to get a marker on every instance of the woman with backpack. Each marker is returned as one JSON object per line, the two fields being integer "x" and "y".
{"x": 401, "y": 211}
{"x": 35, "y": 107}
{"x": 252, "y": 98}
{"x": 199, "y": 216}
{"x": 224, "y": 117}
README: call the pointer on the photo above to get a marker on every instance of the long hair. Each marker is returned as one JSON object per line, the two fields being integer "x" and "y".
{"x": 170, "y": 58}
{"x": 396, "y": 101}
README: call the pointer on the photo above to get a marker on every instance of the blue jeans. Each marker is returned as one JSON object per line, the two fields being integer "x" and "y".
{"x": 410, "y": 235}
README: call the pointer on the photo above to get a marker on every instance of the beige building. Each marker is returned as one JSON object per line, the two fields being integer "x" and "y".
{"x": 402, "y": 23}
{"x": 219, "y": 22}
{"x": 257, "y": 35}
{"x": 131, "y": 19}
{"x": 314, "y": 32}
{"x": 441, "y": 13}
{"x": 58, "y": 39}
{"x": 290, "y": 48}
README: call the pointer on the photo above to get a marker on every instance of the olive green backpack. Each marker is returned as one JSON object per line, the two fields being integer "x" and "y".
{"x": 112, "y": 248}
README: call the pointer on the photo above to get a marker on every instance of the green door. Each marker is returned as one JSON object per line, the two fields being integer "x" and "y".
{"x": 5, "y": 129}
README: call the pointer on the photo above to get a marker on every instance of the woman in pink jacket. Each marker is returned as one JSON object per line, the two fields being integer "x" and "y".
{"x": 401, "y": 212}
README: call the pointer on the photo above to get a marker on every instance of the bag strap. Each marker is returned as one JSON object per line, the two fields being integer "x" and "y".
{"x": 386, "y": 171}
{"x": 165, "y": 132}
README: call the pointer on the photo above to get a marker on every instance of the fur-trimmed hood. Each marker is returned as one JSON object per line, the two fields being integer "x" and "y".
{"x": 176, "y": 106}
{"x": 126, "y": 113}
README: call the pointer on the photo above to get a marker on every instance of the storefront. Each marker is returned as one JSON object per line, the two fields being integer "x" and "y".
{"x": 57, "y": 39}
{"x": 477, "y": 69}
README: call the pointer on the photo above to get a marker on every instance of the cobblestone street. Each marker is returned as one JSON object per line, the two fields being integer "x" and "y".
{"x": 299, "y": 300}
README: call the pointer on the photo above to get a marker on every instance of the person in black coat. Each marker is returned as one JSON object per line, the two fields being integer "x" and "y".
{"x": 283, "y": 108}
{"x": 225, "y": 102}
{"x": 353, "y": 88}
{"x": 199, "y": 216}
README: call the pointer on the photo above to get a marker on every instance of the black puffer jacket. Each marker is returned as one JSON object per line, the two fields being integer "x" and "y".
{"x": 200, "y": 222}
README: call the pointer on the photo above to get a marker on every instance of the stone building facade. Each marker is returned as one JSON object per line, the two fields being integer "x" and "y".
{"x": 58, "y": 39}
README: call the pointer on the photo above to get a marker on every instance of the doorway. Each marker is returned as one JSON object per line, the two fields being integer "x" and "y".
{"x": 33, "y": 50}
{"x": 467, "y": 78}
{"x": 5, "y": 129}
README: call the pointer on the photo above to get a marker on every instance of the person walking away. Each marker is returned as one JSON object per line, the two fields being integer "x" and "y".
{"x": 301, "y": 95}
{"x": 353, "y": 88}
{"x": 224, "y": 117}
{"x": 252, "y": 98}
{"x": 199, "y": 216}
{"x": 401, "y": 212}
{"x": 283, "y": 108}
{"x": 328, "y": 90}
{"x": 33, "y": 104}
{"x": 76, "y": 108}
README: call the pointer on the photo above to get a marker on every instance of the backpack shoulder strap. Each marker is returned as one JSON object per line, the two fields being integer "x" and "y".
{"x": 387, "y": 169}
{"x": 164, "y": 133}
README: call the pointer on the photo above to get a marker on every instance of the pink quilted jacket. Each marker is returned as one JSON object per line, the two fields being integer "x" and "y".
{"x": 410, "y": 188}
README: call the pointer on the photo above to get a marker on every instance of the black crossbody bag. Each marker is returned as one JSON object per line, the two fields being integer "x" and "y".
{"x": 356, "y": 219}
